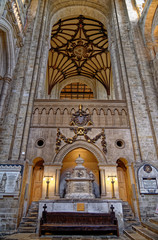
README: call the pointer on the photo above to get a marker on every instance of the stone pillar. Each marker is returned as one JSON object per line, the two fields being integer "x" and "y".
{"x": 1, "y": 84}
{"x": 27, "y": 190}
{"x": 57, "y": 181}
{"x": 102, "y": 181}
{"x": 133, "y": 187}
{"x": 4, "y": 93}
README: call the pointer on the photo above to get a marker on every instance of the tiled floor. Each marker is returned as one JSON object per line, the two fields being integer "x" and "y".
{"x": 28, "y": 236}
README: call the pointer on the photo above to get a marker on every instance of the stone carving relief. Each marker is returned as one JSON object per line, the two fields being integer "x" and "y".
{"x": 79, "y": 182}
{"x": 113, "y": 114}
{"x": 3, "y": 182}
{"x": 148, "y": 179}
{"x": 81, "y": 119}
{"x": 10, "y": 179}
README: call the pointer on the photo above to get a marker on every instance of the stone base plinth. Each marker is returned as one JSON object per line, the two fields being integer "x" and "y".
{"x": 79, "y": 196}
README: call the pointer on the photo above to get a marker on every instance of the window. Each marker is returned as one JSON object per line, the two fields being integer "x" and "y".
{"x": 76, "y": 91}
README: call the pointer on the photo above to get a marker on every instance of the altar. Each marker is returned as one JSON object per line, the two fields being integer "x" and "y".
{"x": 85, "y": 206}
{"x": 80, "y": 196}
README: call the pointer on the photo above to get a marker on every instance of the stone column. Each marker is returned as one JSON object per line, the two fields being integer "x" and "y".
{"x": 27, "y": 189}
{"x": 1, "y": 84}
{"x": 102, "y": 181}
{"x": 133, "y": 187}
{"x": 4, "y": 93}
{"x": 57, "y": 181}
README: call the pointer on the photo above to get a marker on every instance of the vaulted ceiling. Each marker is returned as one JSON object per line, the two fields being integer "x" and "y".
{"x": 79, "y": 46}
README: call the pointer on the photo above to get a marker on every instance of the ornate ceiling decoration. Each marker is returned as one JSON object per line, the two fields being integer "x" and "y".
{"x": 79, "y": 46}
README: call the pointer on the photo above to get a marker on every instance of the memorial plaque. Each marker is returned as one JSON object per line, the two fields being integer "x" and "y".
{"x": 148, "y": 179}
{"x": 80, "y": 207}
{"x": 10, "y": 179}
{"x": 150, "y": 183}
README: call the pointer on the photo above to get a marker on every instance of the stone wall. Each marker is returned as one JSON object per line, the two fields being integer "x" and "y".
{"x": 135, "y": 78}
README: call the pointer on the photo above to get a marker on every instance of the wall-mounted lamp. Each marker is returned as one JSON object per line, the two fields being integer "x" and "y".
{"x": 113, "y": 179}
{"x": 48, "y": 179}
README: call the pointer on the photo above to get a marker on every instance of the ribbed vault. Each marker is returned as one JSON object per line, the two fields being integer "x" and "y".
{"x": 79, "y": 46}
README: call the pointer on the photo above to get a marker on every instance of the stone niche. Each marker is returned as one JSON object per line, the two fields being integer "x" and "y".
{"x": 148, "y": 179}
{"x": 79, "y": 182}
{"x": 10, "y": 180}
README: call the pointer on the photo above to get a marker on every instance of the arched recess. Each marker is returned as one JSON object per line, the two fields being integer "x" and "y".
{"x": 124, "y": 182}
{"x": 6, "y": 27}
{"x": 37, "y": 179}
{"x": 90, "y": 163}
{"x": 100, "y": 156}
{"x": 76, "y": 79}
{"x": 59, "y": 12}
{"x": 148, "y": 27}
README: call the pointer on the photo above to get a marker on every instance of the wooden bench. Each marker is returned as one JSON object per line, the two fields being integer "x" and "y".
{"x": 78, "y": 223}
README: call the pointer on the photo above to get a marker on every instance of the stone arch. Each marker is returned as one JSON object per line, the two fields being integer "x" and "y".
{"x": 6, "y": 27}
{"x": 125, "y": 159}
{"x": 61, "y": 11}
{"x": 76, "y": 79}
{"x": 149, "y": 22}
{"x": 80, "y": 144}
{"x": 70, "y": 11}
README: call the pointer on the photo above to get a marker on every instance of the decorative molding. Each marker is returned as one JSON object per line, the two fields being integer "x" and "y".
{"x": 60, "y": 137}
{"x": 81, "y": 118}
{"x": 15, "y": 19}
{"x": 104, "y": 114}
{"x": 8, "y": 30}
{"x": 80, "y": 144}
{"x": 7, "y": 79}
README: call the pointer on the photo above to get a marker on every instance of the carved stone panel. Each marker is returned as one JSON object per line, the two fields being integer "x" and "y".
{"x": 148, "y": 179}
{"x": 10, "y": 179}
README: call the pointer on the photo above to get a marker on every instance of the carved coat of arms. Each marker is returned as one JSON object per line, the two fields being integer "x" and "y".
{"x": 81, "y": 118}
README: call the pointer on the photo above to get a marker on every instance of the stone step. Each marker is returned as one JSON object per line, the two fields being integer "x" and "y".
{"x": 28, "y": 224}
{"x": 27, "y": 229}
{"x": 29, "y": 219}
{"x": 151, "y": 226}
{"x": 129, "y": 218}
{"x": 128, "y": 224}
{"x": 32, "y": 214}
{"x": 125, "y": 203}
{"x": 33, "y": 210}
{"x": 145, "y": 233}
{"x": 154, "y": 220}
{"x": 127, "y": 208}
{"x": 128, "y": 215}
{"x": 131, "y": 234}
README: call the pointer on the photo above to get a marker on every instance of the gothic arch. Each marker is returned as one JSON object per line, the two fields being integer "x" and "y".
{"x": 6, "y": 27}
{"x": 55, "y": 15}
{"x": 71, "y": 10}
{"x": 148, "y": 27}
{"x": 76, "y": 79}
{"x": 80, "y": 144}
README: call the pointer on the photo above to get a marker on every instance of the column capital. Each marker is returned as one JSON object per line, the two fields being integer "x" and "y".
{"x": 7, "y": 79}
